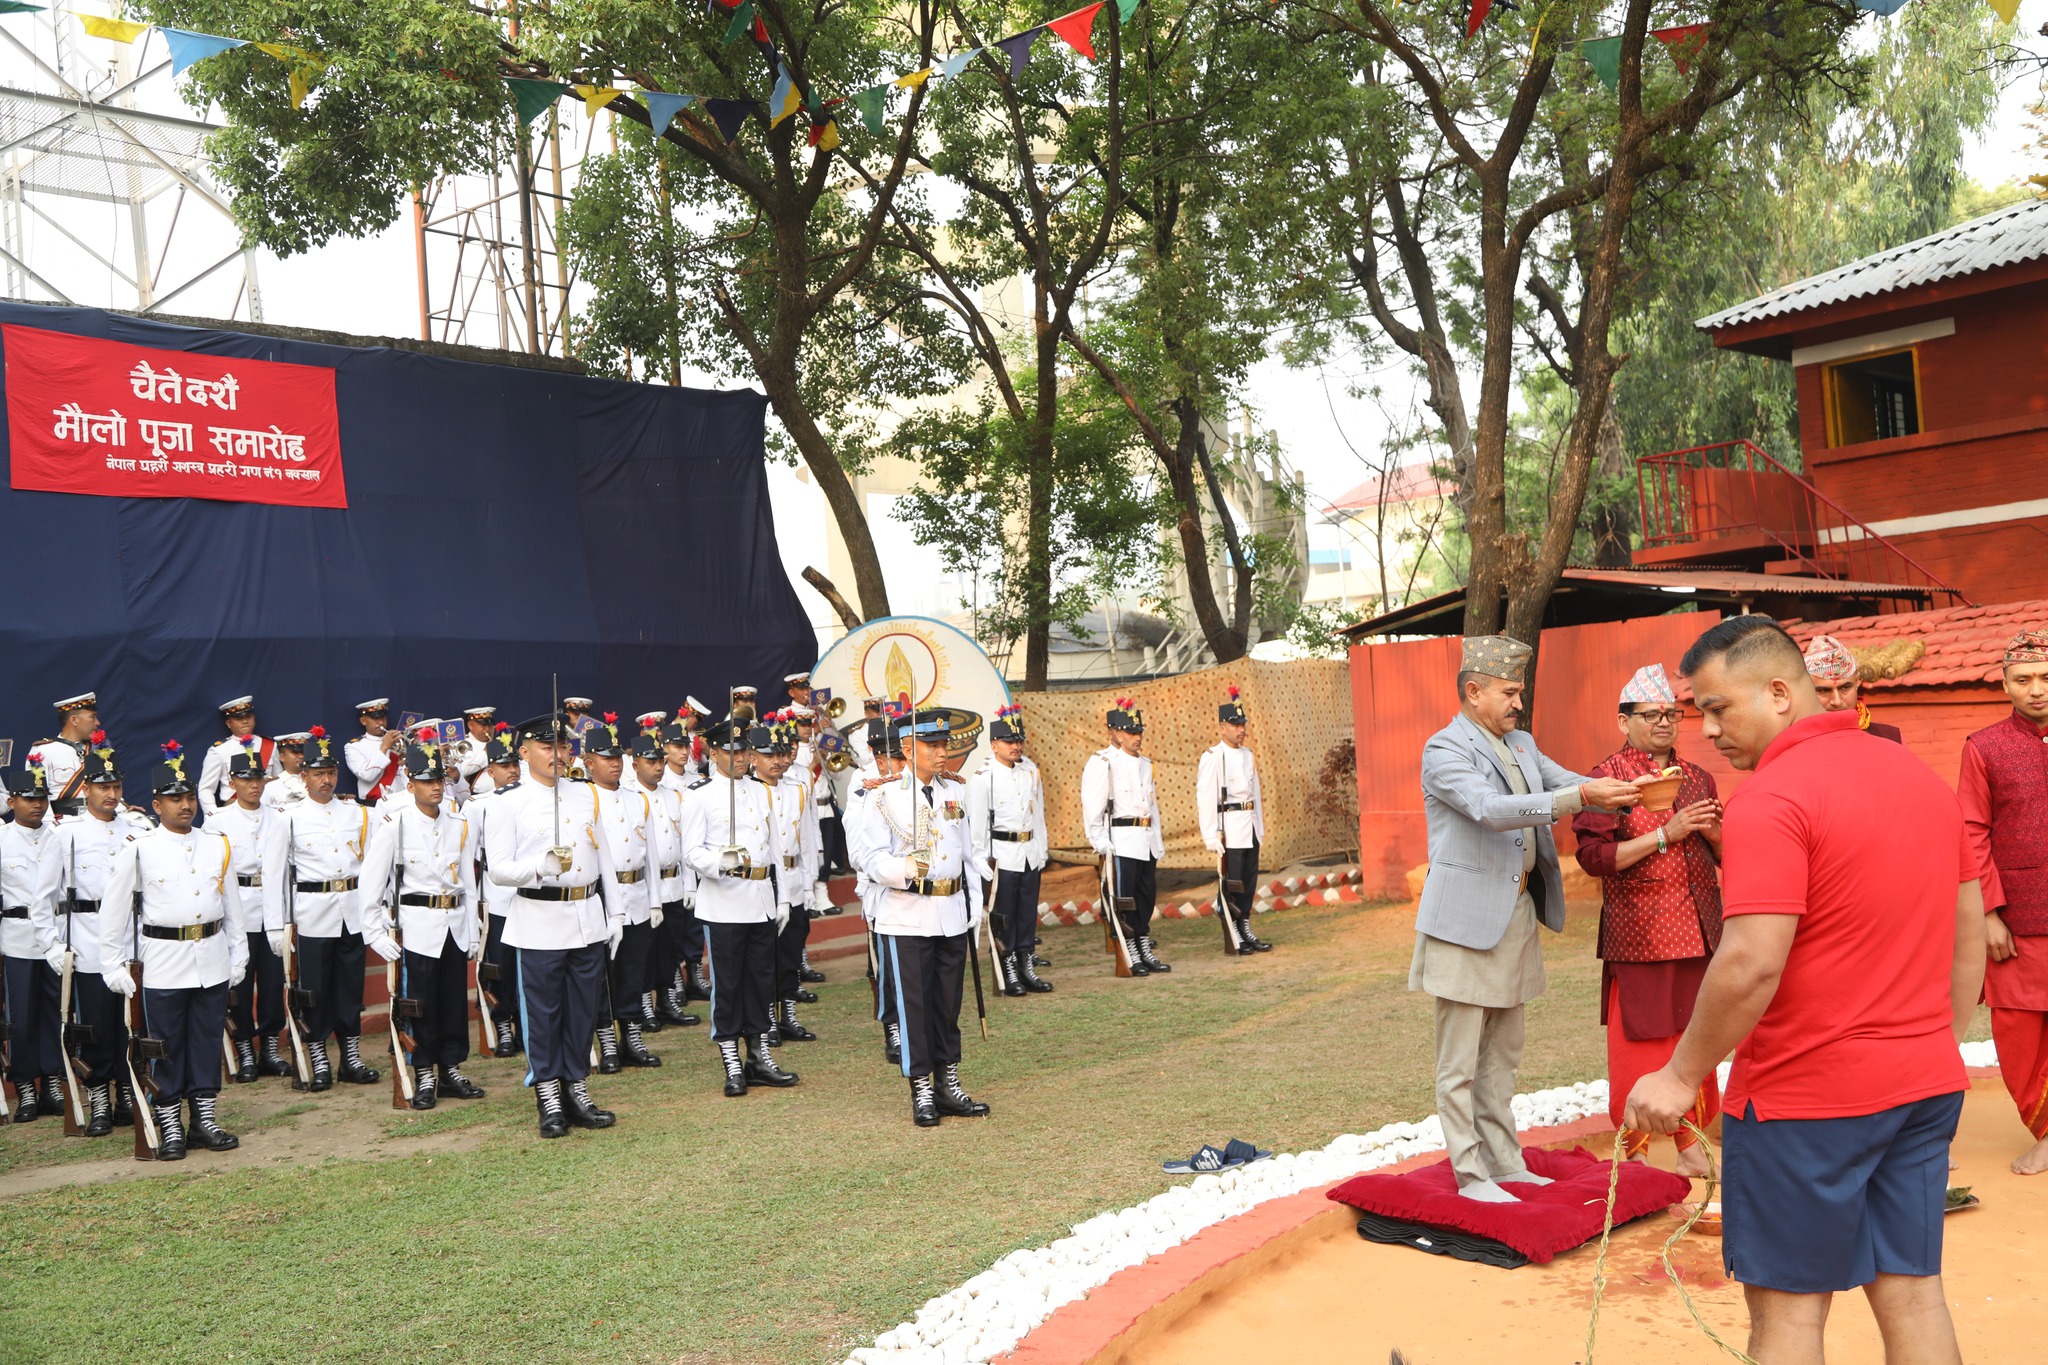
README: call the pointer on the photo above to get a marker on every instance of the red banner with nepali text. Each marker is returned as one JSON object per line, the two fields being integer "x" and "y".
{"x": 121, "y": 421}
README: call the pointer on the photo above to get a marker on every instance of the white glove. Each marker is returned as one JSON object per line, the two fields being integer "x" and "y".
{"x": 119, "y": 982}
{"x": 55, "y": 957}
{"x": 241, "y": 970}
{"x": 476, "y": 950}
{"x": 614, "y": 936}
{"x": 1213, "y": 845}
{"x": 386, "y": 948}
{"x": 654, "y": 917}
{"x": 276, "y": 937}
{"x": 974, "y": 919}
{"x": 781, "y": 918}
{"x": 551, "y": 863}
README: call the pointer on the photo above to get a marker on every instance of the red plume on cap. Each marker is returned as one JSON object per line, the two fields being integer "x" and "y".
{"x": 426, "y": 734}
{"x": 611, "y": 718}
{"x": 171, "y": 748}
{"x": 36, "y": 757}
{"x": 500, "y": 728}
{"x": 1233, "y": 691}
{"x": 317, "y": 732}
{"x": 98, "y": 737}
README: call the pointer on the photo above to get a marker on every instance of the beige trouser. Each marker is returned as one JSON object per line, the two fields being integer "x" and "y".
{"x": 1477, "y": 1051}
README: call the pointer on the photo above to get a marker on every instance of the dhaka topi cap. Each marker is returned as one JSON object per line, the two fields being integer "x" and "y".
{"x": 1126, "y": 716}
{"x": 170, "y": 777}
{"x": 1829, "y": 661}
{"x": 240, "y": 706}
{"x": 320, "y": 749}
{"x": 246, "y": 760}
{"x": 1232, "y": 711}
{"x": 1649, "y": 685}
{"x": 2028, "y": 647}
{"x": 1494, "y": 656}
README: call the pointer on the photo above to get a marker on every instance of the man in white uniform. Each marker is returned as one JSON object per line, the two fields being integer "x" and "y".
{"x": 35, "y": 1058}
{"x": 498, "y": 971}
{"x": 288, "y": 783}
{"x": 1233, "y": 818}
{"x": 466, "y": 755}
{"x": 1120, "y": 815}
{"x": 240, "y": 717}
{"x": 377, "y": 755}
{"x": 256, "y": 1006}
{"x": 625, "y": 819}
{"x": 63, "y": 754}
{"x": 663, "y": 997}
{"x": 1006, "y": 819}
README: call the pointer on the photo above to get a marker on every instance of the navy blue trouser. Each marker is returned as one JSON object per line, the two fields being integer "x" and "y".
{"x": 332, "y": 969}
{"x": 559, "y": 991}
{"x": 926, "y": 975}
{"x": 256, "y": 1007}
{"x": 742, "y": 960}
{"x": 440, "y": 1034}
{"x": 103, "y": 1012}
{"x": 34, "y": 1046}
{"x": 504, "y": 992}
{"x": 631, "y": 969}
{"x": 189, "y": 1021}
{"x": 1017, "y": 904}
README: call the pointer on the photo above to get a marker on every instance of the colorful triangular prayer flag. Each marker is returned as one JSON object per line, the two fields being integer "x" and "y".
{"x": 1125, "y": 9}
{"x": 663, "y": 107}
{"x": 1684, "y": 43}
{"x": 870, "y": 102}
{"x": 1884, "y": 7}
{"x": 785, "y": 100}
{"x": 825, "y": 136}
{"x": 1076, "y": 29}
{"x": 295, "y": 82}
{"x": 915, "y": 79}
{"x": 188, "y": 47}
{"x": 18, "y": 7}
{"x": 1604, "y": 56}
{"x": 957, "y": 63}
{"x": 596, "y": 97}
{"x": 113, "y": 30}
{"x": 534, "y": 98}
{"x": 2004, "y": 9}
{"x": 1018, "y": 46}
{"x": 1478, "y": 17}
{"x": 741, "y": 17}
{"x": 729, "y": 115}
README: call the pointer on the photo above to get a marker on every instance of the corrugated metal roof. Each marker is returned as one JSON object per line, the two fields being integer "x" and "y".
{"x": 2016, "y": 233}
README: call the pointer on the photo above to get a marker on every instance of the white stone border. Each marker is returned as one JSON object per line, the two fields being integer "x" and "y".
{"x": 991, "y": 1313}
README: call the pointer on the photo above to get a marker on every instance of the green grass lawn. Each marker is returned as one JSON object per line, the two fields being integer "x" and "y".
{"x": 786, "y": 1227}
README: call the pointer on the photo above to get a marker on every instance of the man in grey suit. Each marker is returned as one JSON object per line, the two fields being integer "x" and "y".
{"x": 1490, "y": 798}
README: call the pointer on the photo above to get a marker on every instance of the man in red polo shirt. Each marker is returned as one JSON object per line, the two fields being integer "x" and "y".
{"x": 1849, "y": 965}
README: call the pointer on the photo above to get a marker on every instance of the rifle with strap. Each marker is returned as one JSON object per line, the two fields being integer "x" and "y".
{"x": 71, "y": 1033}
{"x": 402, "y": 1042}
{"x": 1113, "y": 940}
{"x": 142, "y": 1049}
{"x": 296, "y": 997}
{"x": 1224, "y": 886}
{"x": 486, "y": 1001}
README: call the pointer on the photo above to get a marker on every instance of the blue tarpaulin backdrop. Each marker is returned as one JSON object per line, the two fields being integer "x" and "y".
{"x": 502, "y": 524}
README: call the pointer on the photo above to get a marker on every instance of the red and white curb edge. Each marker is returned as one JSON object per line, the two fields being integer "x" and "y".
{"x": 1338, "y": 887}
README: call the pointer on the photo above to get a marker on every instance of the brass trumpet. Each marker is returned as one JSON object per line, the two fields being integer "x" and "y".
{"x": 836, "y": 707}
{"x": 837, "y": 761}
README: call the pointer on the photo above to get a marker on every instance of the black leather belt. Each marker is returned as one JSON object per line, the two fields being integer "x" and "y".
{"x": 631, "y": 876}
{"x": 338, "y": 884}
{"x": 186, "y": 933}
{"x": 77, "y": 907}
{"x": 1010, "y": 836}
{"x": 555, "y": 893}
{"x": 426, "y": 902}
{"x": 13, "y": 912}
{"x": 1234, "y": 805}
{"x": 248, "y": 879}
{"x": 934, "y": 886}
{"x": 1141, "y": 821}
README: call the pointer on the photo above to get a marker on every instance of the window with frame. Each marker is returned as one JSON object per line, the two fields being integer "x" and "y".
{"x": 1873, "y": 397}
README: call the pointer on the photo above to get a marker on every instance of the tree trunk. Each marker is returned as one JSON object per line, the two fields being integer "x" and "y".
{"x": 1225, "y": 641}
{"x": 1487, "y": 526}
{"x": 1038, "y": 515}
{"x": 835, "y": 484}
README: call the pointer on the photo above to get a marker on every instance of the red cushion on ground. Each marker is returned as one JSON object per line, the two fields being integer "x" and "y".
{"x": 1547, "y": 1220}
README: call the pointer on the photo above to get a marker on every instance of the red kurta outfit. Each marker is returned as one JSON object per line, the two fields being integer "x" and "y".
{"x": 2003, "y": 788}
{"x": 1660, "y": 920}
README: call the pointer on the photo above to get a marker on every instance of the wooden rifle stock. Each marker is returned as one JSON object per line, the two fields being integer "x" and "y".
{"x": 1114, "y": 941}
{"x": 141, "y": 1085}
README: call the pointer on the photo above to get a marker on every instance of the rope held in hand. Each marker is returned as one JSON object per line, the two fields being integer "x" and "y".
{"x": 1671, "y": 1271}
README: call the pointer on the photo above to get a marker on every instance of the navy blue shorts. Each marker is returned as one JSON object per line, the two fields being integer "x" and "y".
{"x": 1816, "y": 1206}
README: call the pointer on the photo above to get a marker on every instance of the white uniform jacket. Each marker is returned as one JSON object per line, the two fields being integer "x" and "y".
{"x": 309, "y": 843}
{"x": 1116, "y": 785}
{"x": 183, "y": 880}
{"x": 478, "y": 813}
{"x": 78, "y": 854}
{"x": 248, "y": 834}
{"x": 439, "y": 863}
{"x": 61, "y": 760}
{"x": 625, "y": 819}
{"x": 366, "y": 758}
{"x": 518, "y": 833}
{"x": 664, "y": 838}
{"x": 899, "y": 820}
{"x": 797, "y": 843}
{"x": 214, "y": 791}
{"x": 707, "y": 804}
{"x": 284, "y": 790}
{"x": 21, "y": 859}
{"x": 1230, "y": 777}
{"x": 1007, "y": 800}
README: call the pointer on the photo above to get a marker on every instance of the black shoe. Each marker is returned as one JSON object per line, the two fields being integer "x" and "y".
{"x": 425, "y": 1092}
{"x": 735, "y": 1070}
{"x": 1138, "y": 967}
{"x": 102, "y": 1121}
{"x": 953, "y": 1102}
{"x": 696, "y": 987}
{"x": 1032, "y": 984}
{"x": 53, "y": 1094}
{"x": 553, "y": 1122}
{"x": 810, "y": 974}
{"x": 245, "y": 1062}
{"x": 1038, "y": 961}
{"x": 170, "y": 1131}
{"x": 352, "y": 1069}
{"x": 762, "y": 1070}
{"x": 273, "y": 1061}
{"x": 506, "y": 1044}
{"x": 632, "y": 1051}
{"x": 671, "y": 1010}
{"x": 459, "y": 1086}
{"x": 206, "y": 1129}
{"x": 124, "y": 1105}
{"x": 924, "y": 1110}
{"x": 792, "y": 1031}
{"x": 323, "y": 1074}
{"x": 1251, "y": 941}
{"x": 1013, "y": 976}
{"x": 651, "y": 1020}
{"x": 608, "y": 1051}
{"x": 892, "y": 1044}
{"x": 585, "y": 1114}
{"x": 1147, "y": 950}
{"x": 27, "y": 1103}
{"x": 806, "y": 997}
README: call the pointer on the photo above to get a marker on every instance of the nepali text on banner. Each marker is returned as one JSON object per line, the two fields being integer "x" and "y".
{"x": 123, "y": 421}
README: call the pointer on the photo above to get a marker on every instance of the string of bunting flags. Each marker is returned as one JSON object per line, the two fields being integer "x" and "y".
{"x": 533, "y": 97}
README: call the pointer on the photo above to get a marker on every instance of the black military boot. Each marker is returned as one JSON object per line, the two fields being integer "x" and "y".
{"x": 735, "y": 1070}
{"x": 458, "y": 1086}
{"x": 1251, "y": 941}
{"x": 1033, "y": 984}
{"x": 27, "y": 1102}
{"x": 273, "y": 1061}
{"x": 650, "y": 1017}
{"x": 792, "y": 1031}
{"x": 1148, "y": 952}
{"x": 124, "y": 1105}
{"x": 924, "y": 1111}
{"x": 206, "y": 1129}
{"x": 672, "y": 1001}
{"x": 892, "y": 1044}
{"x": 170, "y": 1131}
{"x": 608, "y": 1051}
{"x": 506, "y": 1044}
{"x": 1013, "y": 975}
{"x": 53, "y": 1094}
{"x": 245, "y": 1061}
{"x": 553, "y": 1122}
{"x": 583, "y": 1113}
{"x": 807, "y": 972}
{"x": 352, "y": 1069}
{"x": 762, "y": 1070}
{"x": 699, "y": 987}
{"x": 633, "y": 1050}
{"x": 323, "y": 1073}
{"x": 101, "y": 1121}
{"x": 954, "y": 1102}
{"x": 426, "y": 1091}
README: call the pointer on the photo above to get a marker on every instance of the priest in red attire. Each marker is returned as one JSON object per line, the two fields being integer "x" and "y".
{"x": 2003, "y": 786}
{"x": 1660, "y": 912}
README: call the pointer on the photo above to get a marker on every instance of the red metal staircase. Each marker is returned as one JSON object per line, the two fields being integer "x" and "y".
{"x": 1732, "y": 505}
